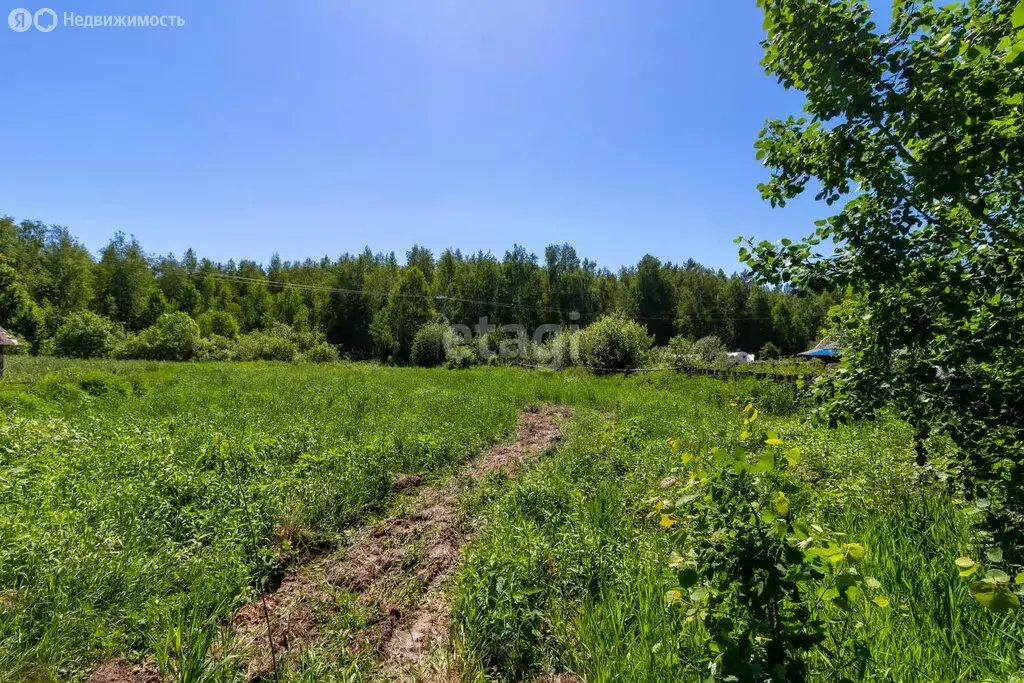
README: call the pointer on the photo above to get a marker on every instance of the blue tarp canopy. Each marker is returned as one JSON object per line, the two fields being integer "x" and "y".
{"x": 818, "y": 353}
{"x": 827, "y": 349}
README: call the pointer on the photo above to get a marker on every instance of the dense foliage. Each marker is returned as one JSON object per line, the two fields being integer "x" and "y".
{"x": 371, "y": 305}
{"x": 612, "y": 343}
{"x": 920, "y": 133}
{"x": 430, "y": 345}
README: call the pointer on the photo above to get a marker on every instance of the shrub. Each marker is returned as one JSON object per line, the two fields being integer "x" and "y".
{"x": 681, "y": 349}
{"x": 304, "y": 340}
{"x": 430, "y": 345}
{"x": 462, "y": 357}
{"x": 84, "y": 334}
{"x": 215, "y": 348}
{"x": 561, "y": 351}
{"x": 710, "y": 350}
{"x": 74, "y": 382}
{"x": 770, "y": 352}
{"x": 321, "y": 353}
{"x": 219, "y": 323}
{"x": 174, "y": 336}
{"x": 265, "y": 346}
{"x": 614, "y": 342}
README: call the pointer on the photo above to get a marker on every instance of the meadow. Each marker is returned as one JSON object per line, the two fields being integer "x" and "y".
{"x": 142, "y": 503}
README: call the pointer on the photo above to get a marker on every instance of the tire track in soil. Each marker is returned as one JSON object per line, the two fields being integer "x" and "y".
{"x": 398, "y": 568}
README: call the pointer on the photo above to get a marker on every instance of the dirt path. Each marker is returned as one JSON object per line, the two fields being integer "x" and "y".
{"x": 398, "y": 569}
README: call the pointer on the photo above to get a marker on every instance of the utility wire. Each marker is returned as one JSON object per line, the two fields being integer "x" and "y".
{"x": 446, "y": 298}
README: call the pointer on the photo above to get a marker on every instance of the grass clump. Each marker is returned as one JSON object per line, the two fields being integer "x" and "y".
{"x": 76, "y": 382}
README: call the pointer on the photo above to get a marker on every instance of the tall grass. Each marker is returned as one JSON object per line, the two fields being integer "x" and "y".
{"x": 122, "y": 530}
{"x": 571, "y": 571}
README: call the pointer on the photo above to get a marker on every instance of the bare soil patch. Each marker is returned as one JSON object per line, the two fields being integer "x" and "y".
{"x": 537, "y": 432}
{"x": 398, "y": 568}
{"x": 424, "y": 626}
{"x": 120, "y": 671}
{"x": 292, "y": 611}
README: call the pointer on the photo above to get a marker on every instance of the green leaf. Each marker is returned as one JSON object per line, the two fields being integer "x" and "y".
{"x": 765, "y": 464}
{"x": 855, "y": 551}
{"x": 1019, "y": 579}
{"x": 880, "y": 600}
{"x": 830, "y": 594}
{"x": 994, "y": 555}
{"x": 1017, "y": 18}
{"x": 996, "y": 576}
{"x": 992, "y": 597}
{"x": 793, "y": 456}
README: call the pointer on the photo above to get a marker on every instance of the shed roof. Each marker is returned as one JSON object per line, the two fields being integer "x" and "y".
{"x": 6, "y": 339}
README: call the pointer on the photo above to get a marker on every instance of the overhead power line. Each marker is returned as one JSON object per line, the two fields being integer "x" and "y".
{"x": 446, "y": 298}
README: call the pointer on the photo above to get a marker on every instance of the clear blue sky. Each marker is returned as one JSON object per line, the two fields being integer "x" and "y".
{"x": 319, "y": 127}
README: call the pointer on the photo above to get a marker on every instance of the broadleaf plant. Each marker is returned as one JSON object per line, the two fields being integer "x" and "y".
{"x": 913, "y": 128}
{"x": 767, "y": 586}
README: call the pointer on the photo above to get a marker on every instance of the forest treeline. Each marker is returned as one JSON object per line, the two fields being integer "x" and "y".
{"x": 47, "y": 275}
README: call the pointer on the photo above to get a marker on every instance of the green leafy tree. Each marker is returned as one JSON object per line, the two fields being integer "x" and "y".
{"x": 84, "y": 334}
{"x": 408, "y": 309}
{"x": 769, "y": 352}
{"x": 125, "y": 287}
{"x": 916, "y": 131}
{"x": 220, "y": 323}
{"x": 655, "y": 299}
{"x": 175, "y": 336}
{"x": 19, "y": 315}
{"x": 421, "y": 258}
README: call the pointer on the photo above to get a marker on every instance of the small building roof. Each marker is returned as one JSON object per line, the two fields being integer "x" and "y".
{"x": 6, "y": 339}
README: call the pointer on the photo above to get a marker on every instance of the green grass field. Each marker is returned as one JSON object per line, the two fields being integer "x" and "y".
{"x": 142, "y": 503}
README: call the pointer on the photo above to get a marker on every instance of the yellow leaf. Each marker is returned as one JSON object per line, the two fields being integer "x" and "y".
{"x": 970, "y": 570}
{"x": 880, "y": 600}
{"x": 781, "y": 503}
{"x": 964, "y": 562}
{"x": 855, "y": 551}
{"x": 667, "y": 521}
{"x": 673, "y": 596}
{"x": 773, "y": 442}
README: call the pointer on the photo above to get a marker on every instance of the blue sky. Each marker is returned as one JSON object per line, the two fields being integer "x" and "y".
{"x": 314, "y": 128}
